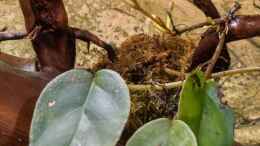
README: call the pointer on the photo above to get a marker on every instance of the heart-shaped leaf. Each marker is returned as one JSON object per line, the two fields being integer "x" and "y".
{"x": 163, "y": 132}
{"x": 201, "y": 109}
{"x": 81, "y": 109}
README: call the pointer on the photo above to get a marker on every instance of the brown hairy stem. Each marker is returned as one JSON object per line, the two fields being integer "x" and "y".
{"x": 88, "y": 37}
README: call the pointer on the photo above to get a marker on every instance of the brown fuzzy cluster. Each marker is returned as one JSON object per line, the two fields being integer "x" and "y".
{"x": 143, "y": 58}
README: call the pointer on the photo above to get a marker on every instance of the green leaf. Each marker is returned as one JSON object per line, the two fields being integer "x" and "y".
{"x": 191, "y": 101}
{"x": 200, "y": 108}
{"x": 80, "y": 109}
{"x": 163, "y": 132}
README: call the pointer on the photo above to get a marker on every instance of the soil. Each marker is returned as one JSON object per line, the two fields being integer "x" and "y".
{"x": 100, "y": 16}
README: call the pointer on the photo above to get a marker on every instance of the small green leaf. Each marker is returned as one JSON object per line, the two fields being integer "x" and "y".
{"x": 191, "y": 101}
{"x": 163, "y": 132}
{"x": 200, "y": 108}
{"x": 79, "y": 109}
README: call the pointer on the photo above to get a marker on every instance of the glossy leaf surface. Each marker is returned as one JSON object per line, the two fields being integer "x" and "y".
{"x": 163, "y": 132}
{"x": 81, "y": 109}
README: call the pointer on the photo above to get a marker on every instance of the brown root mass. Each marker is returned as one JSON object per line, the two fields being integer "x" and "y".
{"x": 144, "y": 59}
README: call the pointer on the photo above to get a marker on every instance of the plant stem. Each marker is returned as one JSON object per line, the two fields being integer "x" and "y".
{"x": 12, "y": 36}
{"x": 221, "y": 44}
{"x": 216, "y": 54}
{"x": 172, "y": 85}
{"x": 202, "y": 24}
{"x": 158, "y": 21}
{"x": 235, "y": 71}
{"x": 88, "y": 37}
